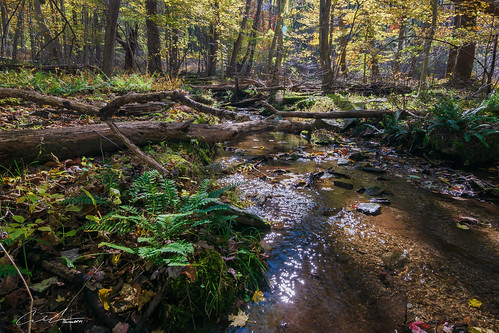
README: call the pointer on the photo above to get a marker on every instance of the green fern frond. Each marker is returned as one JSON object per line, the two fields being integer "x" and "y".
{"x": 7, "y": 270}
{"x": 110, "y": 179}
{"x": 119, "y": 247}
{"x": 83, "y": 199}
{"x": 219, "y": 192}
{"x": 207, "y": 210}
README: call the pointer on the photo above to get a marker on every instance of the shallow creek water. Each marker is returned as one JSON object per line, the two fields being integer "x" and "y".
{"x": 324, "y": 256}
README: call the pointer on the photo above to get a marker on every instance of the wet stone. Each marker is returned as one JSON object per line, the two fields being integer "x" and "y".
{"x": 214, "y": 168}
{"x": 395, "y": 259}
{"x": 385, "y": 201}
{"x": 374, "y": 191}
{"x": 343, "y": 161}
{"x": 344, "y": 185}
{"x": 373, "y": 170}
{"x": 358, "y": 156}
{"x": 369, "y": 208}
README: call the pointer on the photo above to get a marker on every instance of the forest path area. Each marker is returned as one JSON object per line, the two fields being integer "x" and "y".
{"x": 424, "y": 253}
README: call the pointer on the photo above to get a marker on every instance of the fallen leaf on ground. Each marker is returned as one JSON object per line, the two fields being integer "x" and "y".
{"x": 258, "y": 296}
{"x": 104, "y": 297}
{"x": 238, "y": 320}
{"x": 42, "y": 286}
{"x": 475, "y": 303}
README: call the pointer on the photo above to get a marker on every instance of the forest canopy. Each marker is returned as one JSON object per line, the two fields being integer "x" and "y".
{"x": 365, "y": 40}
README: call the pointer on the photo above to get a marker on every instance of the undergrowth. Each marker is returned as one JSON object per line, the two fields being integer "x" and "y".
{"x": 84, "y": 82}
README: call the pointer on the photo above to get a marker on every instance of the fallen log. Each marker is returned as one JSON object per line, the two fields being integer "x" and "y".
{"x": 326, "y": 115}
{"x": 27, "y": 146}
{"x": 334, "y": 114}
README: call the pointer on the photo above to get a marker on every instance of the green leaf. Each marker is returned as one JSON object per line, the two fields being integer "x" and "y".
{"x": 69, "y": 263}
{"x": 45, "y": 284}
{"x": 46, "y": 228}
{"x": 119, "y": 247}
{"x": 18, "y": 218}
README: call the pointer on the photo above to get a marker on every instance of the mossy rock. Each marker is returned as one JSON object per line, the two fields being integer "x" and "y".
{"x": 322, "y": 137}
{"x": 183, "y": 166}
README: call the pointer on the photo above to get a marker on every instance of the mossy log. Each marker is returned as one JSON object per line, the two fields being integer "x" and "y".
{"x": 38, "y": 145}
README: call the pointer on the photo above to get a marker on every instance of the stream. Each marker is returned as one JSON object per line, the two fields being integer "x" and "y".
{"x": 327, "y": 265}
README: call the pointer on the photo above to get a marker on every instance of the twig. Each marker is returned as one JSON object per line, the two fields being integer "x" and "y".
{"x": 143, "y": 156}
{"x": 25, "y": 284}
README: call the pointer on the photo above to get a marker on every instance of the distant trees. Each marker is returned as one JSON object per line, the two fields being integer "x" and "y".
{"x": 363, "y": 40}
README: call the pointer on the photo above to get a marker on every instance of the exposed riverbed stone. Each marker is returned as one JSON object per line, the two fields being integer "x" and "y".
{"x": 369, "y": 208}
{"x": 395, "y": 259}
{"x": 374, "y": 191}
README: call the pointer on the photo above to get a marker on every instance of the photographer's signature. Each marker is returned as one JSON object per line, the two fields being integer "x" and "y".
{"x": 49, "y": 317}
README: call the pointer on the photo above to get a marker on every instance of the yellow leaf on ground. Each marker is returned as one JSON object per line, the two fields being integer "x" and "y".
{"x": 475, "y": 303}
{"x": 104, "y": 297}
{"x": 238, "y": 320}
{"x": 258, "y": 296}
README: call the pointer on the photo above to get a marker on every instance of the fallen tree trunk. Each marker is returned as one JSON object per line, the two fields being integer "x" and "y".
{"x": 39, "y": 145}
{"x": 326, "y": 115}
{"x": 334, "y": 114}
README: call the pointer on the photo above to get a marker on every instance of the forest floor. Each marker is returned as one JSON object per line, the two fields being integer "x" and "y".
{"x": 430, "y": 287}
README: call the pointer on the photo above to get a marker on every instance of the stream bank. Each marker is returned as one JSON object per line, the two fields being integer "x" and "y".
{"x": 334, "y": 268}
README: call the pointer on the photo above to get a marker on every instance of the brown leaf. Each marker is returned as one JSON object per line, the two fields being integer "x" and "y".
{"x": 190, "y": 272}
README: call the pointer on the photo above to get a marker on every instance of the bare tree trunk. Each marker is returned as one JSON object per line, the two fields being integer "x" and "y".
{"x": 19, "y": 31}
{"x": 5, "y": 28}
{"x": 51, "y": 44}
{"x": 250, "y": 52}
{"x": 343, "y": 46}
{"x": 466, "y": 53}
{"x": 213, "y": 41}
{"x": 492, "y": 65}
{"x": 280, "y": 43}
{"x": 324, "y": 45}
{"x": 153, "y": 40}
{"x": 97, "y": 38}
{"x": 427, "y": 43}
{"x": 400, "y": 46}
{"x": 213, "y": 38}
{"x": 110, "y": 37}
{"x": 239, "y": 41}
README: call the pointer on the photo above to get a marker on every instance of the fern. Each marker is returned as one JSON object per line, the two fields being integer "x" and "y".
{"x": 110, "y": 179}
{"x": 7, "y": 270}
{"x": 156, "y": 192}
{"x": 163, "y": 216}
{"x": 83, "y": 199}
{"x": 115, "y": 222}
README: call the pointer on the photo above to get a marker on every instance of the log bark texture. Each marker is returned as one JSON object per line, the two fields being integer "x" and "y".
{"x": 39, "y": 145}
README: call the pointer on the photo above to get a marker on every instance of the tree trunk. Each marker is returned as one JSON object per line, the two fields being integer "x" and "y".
{"x": 492, "y": 65}
{"x": 97, "y": 38}
{"x": 5, "y": 28}
{"x": 239, "y": 40}
{"x": 427, "y": 43}
{"x": 466, "y": 53}
{"x": 211, "y": 69}
{"x": 280, "y": 43}
{"x": 343, "y": 46}
{"x": 18, "y": 32}
{"x": 400, "y": 46}
{"x": 39, "y": 145}
{"x": 247, "y": 62}
{"x": 153, "y": 40}
{"x": 51, "y": 44}
{"x": 324, "y": 45}
{"x": 110, "y": 36}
